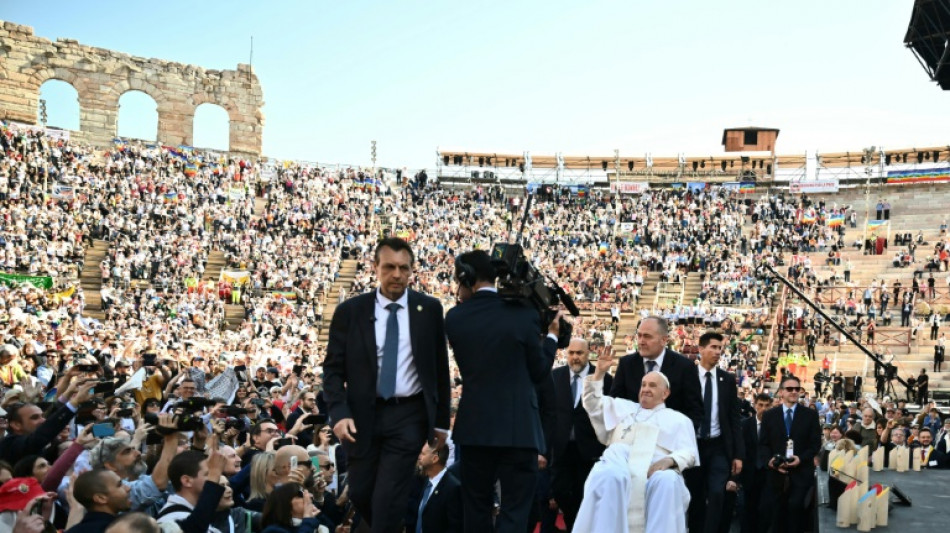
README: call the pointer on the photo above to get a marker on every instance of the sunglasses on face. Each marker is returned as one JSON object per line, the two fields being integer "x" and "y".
{"x": 793, "y": 389}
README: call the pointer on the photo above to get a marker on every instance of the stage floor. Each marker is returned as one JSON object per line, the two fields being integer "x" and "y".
{"x": 929, "y": 492}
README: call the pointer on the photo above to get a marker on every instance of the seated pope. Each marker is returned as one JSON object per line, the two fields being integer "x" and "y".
{"x": 638, "y": 483}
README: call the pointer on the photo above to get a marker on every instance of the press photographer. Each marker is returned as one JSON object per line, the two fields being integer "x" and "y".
{"x": 501, "y": 355}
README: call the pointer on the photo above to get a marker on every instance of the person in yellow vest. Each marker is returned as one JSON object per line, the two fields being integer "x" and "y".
{"x": 236, "y": 294}
{"x": 191, "y": 283}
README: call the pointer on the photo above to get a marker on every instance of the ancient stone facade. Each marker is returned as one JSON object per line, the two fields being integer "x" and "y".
{"x": 101, "y": 76}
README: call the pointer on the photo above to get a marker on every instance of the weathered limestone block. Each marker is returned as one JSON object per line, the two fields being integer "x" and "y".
{"x": 100, "y": 76}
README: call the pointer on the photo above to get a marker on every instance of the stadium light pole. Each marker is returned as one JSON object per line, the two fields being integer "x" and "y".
{"x": 372, "y": 188}
{"x": 868, "y": 154}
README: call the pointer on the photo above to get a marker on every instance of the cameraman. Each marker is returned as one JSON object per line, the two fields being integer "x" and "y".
{"x": 500, "y": 353}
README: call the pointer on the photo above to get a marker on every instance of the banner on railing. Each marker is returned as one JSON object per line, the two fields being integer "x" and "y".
{"x": 62, "y": 191}
{"x": 810, "y": 187}
{"x": 940, "y": 174}
{"x": 629, "y": 187}
{"x": 723, "y": 310}
{"x": 236, "y": 276}
{"x": 41, "y": 282}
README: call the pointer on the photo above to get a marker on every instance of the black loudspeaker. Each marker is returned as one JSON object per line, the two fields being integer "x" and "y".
{"x": 723, "y": 165}
{"x": 445, "y": 160}
{"x": 695, "y": 166}
{"x": 902, "y": 499}
{"x": 464, "y": 273}
{"x": 604, "y": 164}
{"x": 630, "y": 165}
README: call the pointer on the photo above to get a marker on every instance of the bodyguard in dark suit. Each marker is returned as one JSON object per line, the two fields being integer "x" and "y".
{"x": 576, "y": 447}
{"x": 652, "y": 337}
{"x": 502, "y": 357}
{"x": 387, "y": 385}
{"x": 436, "y": 503}
{"x": 789, "y": 483}
{"x": 721, "y": 447}
{"x": 754, "y": 469}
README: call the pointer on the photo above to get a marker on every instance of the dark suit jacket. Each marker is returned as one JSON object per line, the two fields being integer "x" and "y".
{"x": 751, "y": 462}
{"x": 685, "y": 392}
{"x": 729, "y": 414}
{"x": 941, "y": 454}
{"x": 806, "y": 434}
{"x": 569, "y": 416}
{"x": 498, "y": 349}
{"x": 546, "y": 404}
{"x": 443, "y": 511}
{"x": 15, "y": 447}
{"x": 350, "y": 367}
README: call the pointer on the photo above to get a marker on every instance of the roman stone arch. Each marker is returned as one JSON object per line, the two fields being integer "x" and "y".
{"x": 101, "y": 76}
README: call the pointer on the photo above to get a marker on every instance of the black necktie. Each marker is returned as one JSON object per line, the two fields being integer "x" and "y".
{"x": 574, "y": 388}
{"x": 707, "y": 405}
{"x": 651, "y": 366}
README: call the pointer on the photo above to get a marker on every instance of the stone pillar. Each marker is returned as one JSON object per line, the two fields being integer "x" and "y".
{"x": 176, "y": 120}
{"x": 98, "y": 117}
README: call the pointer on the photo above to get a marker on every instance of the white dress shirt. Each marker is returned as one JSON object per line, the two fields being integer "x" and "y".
{"x": 659, "y": 362}
{"x": 407, "y": 378}
{"x": 580, "y": 383}
{"x": 714, "y": 429}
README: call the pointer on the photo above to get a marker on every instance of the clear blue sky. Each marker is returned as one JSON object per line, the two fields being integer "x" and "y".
{"x": 577, "y": 77}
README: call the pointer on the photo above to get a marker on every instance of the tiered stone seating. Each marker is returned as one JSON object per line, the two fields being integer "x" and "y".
{"x": 920, "y": 207}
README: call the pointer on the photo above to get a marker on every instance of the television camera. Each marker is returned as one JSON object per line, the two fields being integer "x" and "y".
{"x": 519, "y": 280}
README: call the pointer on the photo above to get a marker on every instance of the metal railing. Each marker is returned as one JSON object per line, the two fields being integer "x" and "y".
{"x": 779, "y": 315}
{"x": 672, "y": 294}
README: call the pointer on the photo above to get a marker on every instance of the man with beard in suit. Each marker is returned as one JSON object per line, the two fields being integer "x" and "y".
{"x": 653, "y": 355}
{"x": 437, "y": 505}
{"x": 792, "y": 431}
{"x": 576, "y": 447}
{"x": 502, "y": 357}
{"x": 721, "y": 447}
{"x": 387, "y": 385}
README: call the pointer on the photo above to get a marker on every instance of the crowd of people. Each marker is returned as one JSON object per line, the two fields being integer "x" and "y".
{"x": 157, "y": 415}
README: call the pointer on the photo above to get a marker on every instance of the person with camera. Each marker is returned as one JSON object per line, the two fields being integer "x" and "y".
{"x": 261, "y": 433}
{"x": 502, "y": 356}
{"x": 789, "y": 441}
{"x": 387, "y": 384}
{"x": 307, "y": 407}
{"x": 30, "y": 432}
{"x": 117, "y": 455}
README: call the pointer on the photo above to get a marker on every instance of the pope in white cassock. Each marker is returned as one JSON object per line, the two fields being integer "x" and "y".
{"x": 638, "y": 484}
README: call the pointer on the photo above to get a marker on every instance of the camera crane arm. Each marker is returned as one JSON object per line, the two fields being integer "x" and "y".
{"x": 834, "y": 323}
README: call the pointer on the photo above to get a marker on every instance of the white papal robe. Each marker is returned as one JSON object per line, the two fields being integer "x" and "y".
{"x": 618, "y": 496}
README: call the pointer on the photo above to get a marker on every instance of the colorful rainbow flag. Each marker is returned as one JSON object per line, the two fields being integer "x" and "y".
{"x": 809, "y": 219}
{"x": 287, "y": 295}
{"x": 171, "y": 197}
{"x": 191, "y": 169}
{"x": 928, "y": 175}
{"x": 874, "y": 224}
{"x": 746, "y": 188}
{"x": 836, "y": 220}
